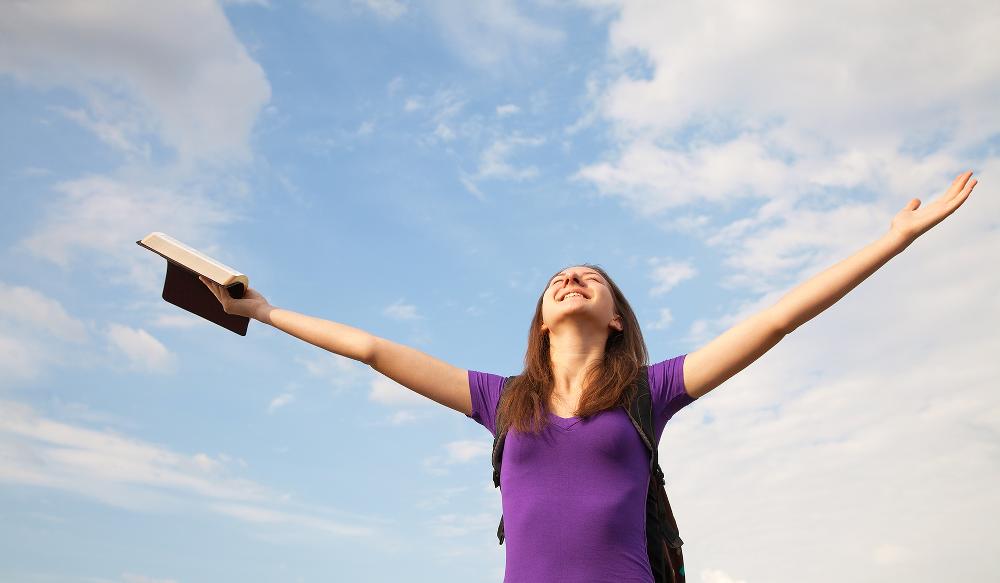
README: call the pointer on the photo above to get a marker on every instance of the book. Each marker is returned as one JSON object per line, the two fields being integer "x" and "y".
{"x": 182, "y": 288}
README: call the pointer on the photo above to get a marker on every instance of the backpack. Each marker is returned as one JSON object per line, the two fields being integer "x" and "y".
{"x": 663, "y": 541}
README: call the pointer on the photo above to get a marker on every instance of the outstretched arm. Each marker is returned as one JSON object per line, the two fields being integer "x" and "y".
{"x": 735, "y": 349}
{"x": 423, "y": 374}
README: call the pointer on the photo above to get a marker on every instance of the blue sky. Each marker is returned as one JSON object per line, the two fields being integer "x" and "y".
{"x": 417, "y": 170}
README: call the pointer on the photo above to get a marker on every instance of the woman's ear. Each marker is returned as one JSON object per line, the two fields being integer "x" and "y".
{"x": 617, "y": 323}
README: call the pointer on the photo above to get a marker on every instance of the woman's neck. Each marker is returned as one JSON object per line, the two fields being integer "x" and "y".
{"x": 570, "y": 356}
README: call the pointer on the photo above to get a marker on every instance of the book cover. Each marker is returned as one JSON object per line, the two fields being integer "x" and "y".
{"x": 182, "y": 288}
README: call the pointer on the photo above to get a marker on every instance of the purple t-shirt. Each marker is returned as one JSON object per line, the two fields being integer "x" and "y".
{"x": 574, "y": 497}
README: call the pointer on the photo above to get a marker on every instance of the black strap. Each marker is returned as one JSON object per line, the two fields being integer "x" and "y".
{"x": 640, "y": 412}
{"x": 498, "y": 441}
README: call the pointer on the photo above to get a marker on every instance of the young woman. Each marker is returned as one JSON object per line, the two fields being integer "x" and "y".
{"x": 575, "y": 471}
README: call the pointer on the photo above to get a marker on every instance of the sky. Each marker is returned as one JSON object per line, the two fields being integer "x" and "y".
{"x": 418, "y": 170}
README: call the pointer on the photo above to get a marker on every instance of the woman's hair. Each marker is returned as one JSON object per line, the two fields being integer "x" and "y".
{"x": 524, "y": 403}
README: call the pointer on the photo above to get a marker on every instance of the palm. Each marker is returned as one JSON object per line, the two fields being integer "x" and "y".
{"x": 914, "y": 220}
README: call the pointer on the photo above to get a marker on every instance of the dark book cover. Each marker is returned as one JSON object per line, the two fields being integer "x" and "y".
{"x": 182, "y": 288}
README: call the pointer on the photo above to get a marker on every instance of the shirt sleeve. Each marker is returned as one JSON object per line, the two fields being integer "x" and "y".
{"x": 484, "y": 388}
{"x": 666, "y": 386}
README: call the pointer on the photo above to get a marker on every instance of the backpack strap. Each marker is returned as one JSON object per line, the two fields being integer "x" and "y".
{"x": 498, "y": 442}
{"x": 640, "y": 412}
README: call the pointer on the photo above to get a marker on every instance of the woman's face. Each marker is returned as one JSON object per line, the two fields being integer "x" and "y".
{"x": 595, "y": 302}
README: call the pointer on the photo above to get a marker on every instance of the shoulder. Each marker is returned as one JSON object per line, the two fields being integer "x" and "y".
{"x": 667, "y": 390}
{"x": 486, "y": 382}
{"x": 666, "y": 377}
{"x": 484, "y": 388}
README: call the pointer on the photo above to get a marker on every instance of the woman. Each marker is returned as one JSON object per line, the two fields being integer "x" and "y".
{"x": 575, "y": 471}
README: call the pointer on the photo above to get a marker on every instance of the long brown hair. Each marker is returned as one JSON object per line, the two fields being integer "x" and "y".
{"x": 524, "y": 404}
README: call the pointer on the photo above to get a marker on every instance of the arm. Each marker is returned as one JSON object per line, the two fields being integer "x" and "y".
{"x": 735, "y": 349}
{"x": 419, "y": 372}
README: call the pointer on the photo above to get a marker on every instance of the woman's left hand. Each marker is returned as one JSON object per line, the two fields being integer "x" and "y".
{"x": 914, "y": 220}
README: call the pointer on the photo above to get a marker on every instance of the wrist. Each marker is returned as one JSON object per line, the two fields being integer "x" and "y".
{"x": 898, "y": 240}
{"x": 263, "y": 313}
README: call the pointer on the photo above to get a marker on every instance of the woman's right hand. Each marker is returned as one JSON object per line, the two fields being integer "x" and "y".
{"x": 250, "y": 305}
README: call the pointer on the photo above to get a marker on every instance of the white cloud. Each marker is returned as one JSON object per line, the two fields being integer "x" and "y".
{"x": 717, "y": 576}
{"x": 394, "y": 85}
{"x": 339, "y": 371}
{"x": 98, "y": 219}
{"x": 491, "y": 33}
{"x": 650, "y": 178}
{"x": 280, "y": 401}
{"x": 402, "y": 417}
{"x": 386, "y": 391}
{"x": 472, "y": 187}
{"x": 257, "y": 514}
{"x": 443, "y": 121}
{"x": 663, "y": 321}
{"x": 19, "y": 359}
{"x": 35, "y": 171}
{"x": 113, "y": 468}
{"x": 485, "y": 33}
{"x": 384, "y": 9}
{"x": 456, "y": 452}
{"x": 199, "y": 87}
{"x": 494, "y": 163}
{"x": 366, "y": 128}
{"x": 771, "y": 58}
{"x": 29, "y": 308}
{"x": 466, "y": 450}
{"x": 462, "y": 525}
{"x": 129, "y": 473}
{"x": 119, "y": 134}
{"x": 400, "y": 310}
{"x": 136, "y": 578}
{"x": 176, "y": 320}
{"x": 755, "y": 122}
{"x": 34, "y": 330}
{"x": 891, "y": 554}
{"x": 507, "y": 109}
{"x": 143, "y": 351}
{"x": 668, "y": 274}
{"x": 441, "y": 497}
{"x": 444, "y": 132}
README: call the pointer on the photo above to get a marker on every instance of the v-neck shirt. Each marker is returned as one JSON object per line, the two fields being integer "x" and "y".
{"x": 574, "y": 496}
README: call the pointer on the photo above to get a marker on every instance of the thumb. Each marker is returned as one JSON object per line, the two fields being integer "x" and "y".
{"x": 914, "y": 204}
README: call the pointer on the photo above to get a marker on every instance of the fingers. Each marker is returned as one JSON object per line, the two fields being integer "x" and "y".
{"x": 959, "y": 197}
{"x": 967, "y": 191}
{"x": 958, "y": 184}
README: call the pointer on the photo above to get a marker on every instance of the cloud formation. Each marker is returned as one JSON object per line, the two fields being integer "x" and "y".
{"x": 143, "y": 71}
